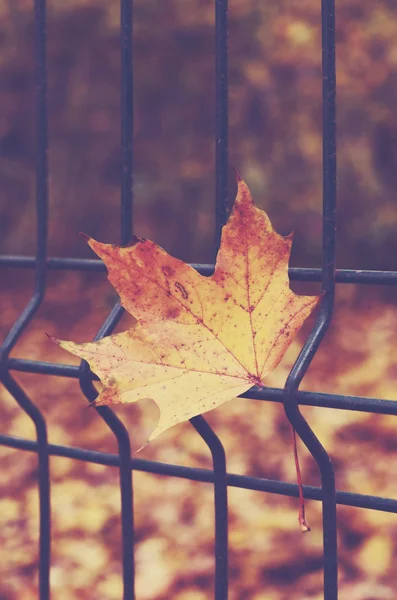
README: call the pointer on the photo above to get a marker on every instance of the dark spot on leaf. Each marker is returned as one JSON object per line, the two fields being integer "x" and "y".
{"x": 168, "y": 271}
{"x": 181, "y": 289}
{"x": 172, "y": 313}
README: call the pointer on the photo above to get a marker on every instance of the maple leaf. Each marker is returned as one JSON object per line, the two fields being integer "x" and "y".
{"x": 198, "y": 341}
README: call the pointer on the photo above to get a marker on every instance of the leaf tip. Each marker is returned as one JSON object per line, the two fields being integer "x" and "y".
{"x": 53, "y": 339}
{"x": 243, "y": 192}
{"x": 91, "y": 404}
{"x": 84, "y": 236}
{"x": 237, "y": 175}
{"x": 142, "y": 447}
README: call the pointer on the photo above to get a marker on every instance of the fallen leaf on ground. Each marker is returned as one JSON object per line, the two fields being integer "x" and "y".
{"x": 198, "y": 341}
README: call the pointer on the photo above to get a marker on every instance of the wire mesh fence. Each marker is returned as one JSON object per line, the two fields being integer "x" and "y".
{"x": 290, "y": 396}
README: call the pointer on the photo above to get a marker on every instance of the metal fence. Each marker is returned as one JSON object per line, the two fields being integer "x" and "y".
{"x": 290, "y": 396}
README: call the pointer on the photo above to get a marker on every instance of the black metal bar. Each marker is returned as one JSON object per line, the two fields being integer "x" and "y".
{"x": 40, "y": 285}
{"x": 221, "y": 117}
{"x": 43, "y": 481}
{"x": 206, "y": 476}
{"x": 121, "y": 433}
{"x": 329, "y": 264}
{"x": 221, "y": 513}
{"x": 86, "y": 377}
{"x": 39, "y": 262}
{"x": 124, "y": 446}
{"x": 295, "y": 273}
{"x": 221, "y": 199}
{"x": 329, "y": 240}
{"x": 355, "y": 403}
{"x": 127, "y": 111}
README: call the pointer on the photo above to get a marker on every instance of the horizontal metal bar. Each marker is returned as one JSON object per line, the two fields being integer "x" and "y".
{"x": 45, "y": 368}
{"x": 295, "y": 273}
{"x": 205, "y": 475}
{"x": 53, "y": 264}
{"x": 355, "y": 403}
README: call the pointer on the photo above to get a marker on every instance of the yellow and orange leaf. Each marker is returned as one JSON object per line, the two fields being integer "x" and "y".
{"x": 198, "y": 341}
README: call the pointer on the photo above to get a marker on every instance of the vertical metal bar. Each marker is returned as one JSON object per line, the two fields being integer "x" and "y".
{"x": 127, "y": 111}
{"x": 117, "y": 427}
{"x": 127, "y": 122}
{"x": 40, "y": 284}
{"x": 221, "y": 512}
{"x": 41, "y": 256}
{"x": 329, "y": 151}
{"x": 123, "y": 441}
{"x": 328, "y": 268}
{"x": 44, "y": 482}
{"x": 221, "y": 210}
{"x": 221, "y": 116}
{"x": 42, "y": 143}
{"x": 324, "y": 319}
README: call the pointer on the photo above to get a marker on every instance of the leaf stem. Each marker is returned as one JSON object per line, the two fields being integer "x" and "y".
{"x": 304, "y": 526}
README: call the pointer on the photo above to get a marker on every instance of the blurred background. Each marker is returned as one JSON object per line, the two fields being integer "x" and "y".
{"x": 275, "y": 142}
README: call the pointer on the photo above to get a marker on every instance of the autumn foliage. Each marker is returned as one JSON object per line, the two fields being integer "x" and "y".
{"x": 275, "y": 138}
